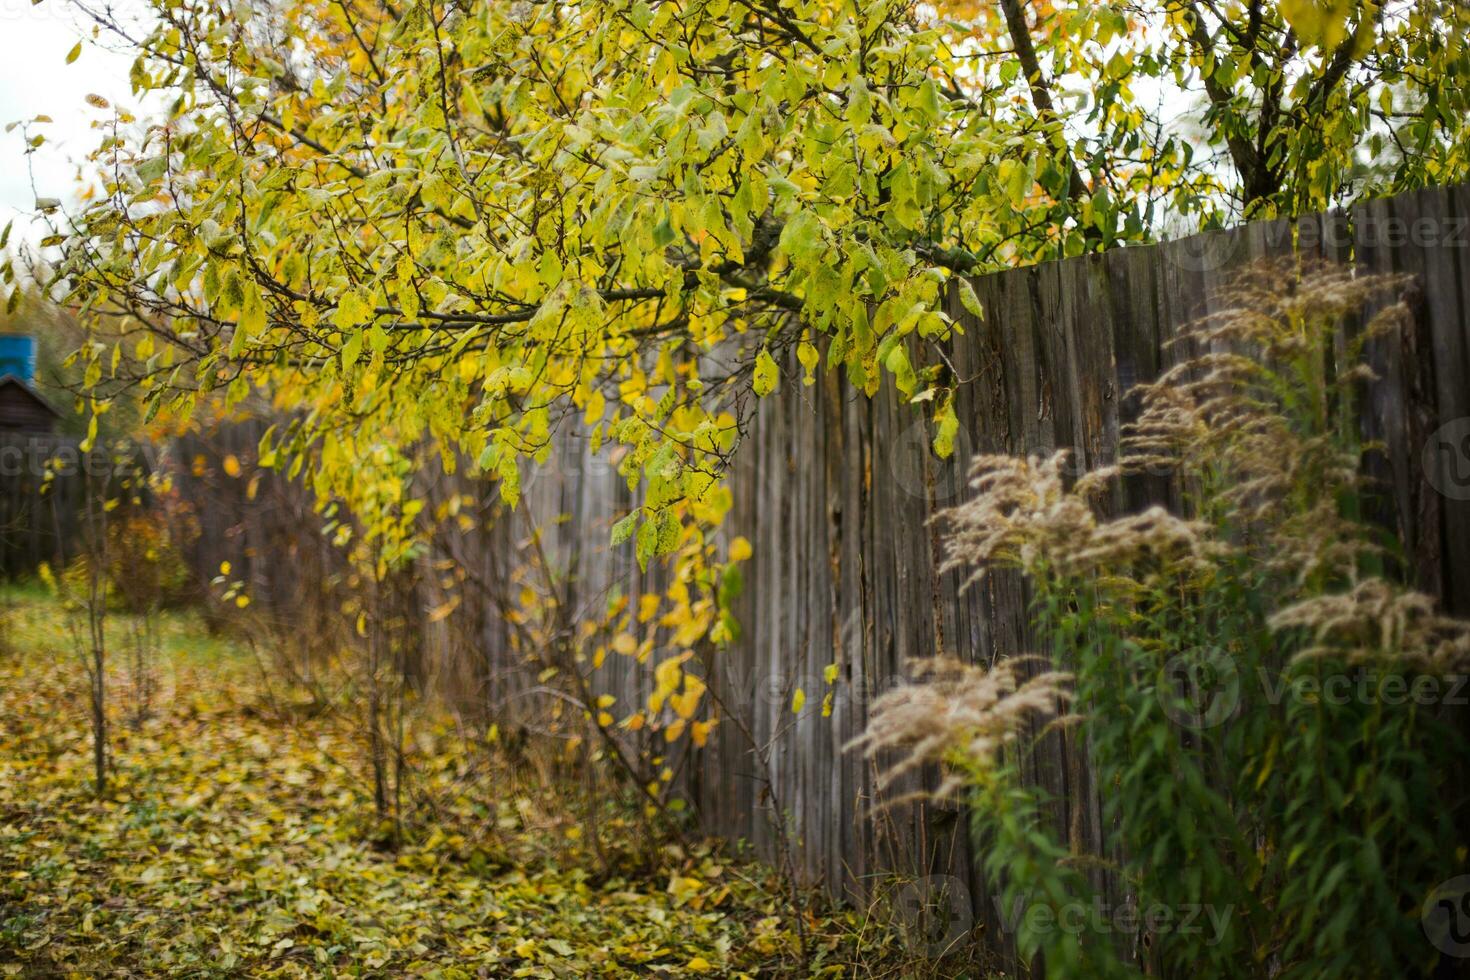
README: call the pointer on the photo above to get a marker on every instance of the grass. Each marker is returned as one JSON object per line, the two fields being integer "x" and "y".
{"x": 237, "y": 841}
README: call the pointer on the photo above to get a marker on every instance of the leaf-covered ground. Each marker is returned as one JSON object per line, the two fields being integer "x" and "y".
{"x": 235, "y": 843}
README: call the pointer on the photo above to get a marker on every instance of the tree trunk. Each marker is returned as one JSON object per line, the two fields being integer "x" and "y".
{"x": 99, "y": 722}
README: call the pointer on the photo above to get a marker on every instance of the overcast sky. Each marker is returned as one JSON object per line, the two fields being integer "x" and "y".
{"x": 36, "y": 80}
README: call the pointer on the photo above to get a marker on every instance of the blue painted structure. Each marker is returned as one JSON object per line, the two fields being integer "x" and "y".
{"x": 18, "y": 356}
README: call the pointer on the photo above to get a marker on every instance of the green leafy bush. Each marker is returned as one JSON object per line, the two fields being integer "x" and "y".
{"x": 1247, "y": 679}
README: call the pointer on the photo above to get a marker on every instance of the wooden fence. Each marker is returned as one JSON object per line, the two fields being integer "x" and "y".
{"x": 260, "y": 523}
{"x": 39, "y": 514}
{"x": 836, "y": 490}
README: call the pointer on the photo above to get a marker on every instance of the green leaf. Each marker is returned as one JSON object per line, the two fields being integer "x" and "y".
{"x": 623, "y": 529}
{"x": 946, "y": 425}
{"x": 510, "y": 479}
{"x": 968, "y": 299}
{"x": 237, "y": 341}
{"x": 351, "y": 349}
{"x": 647, "y": 545}
{"x": 265, "y": 453}
{"x": 669, "y": 529}
{"x": 377, "y": 338}
{"x": 929, "y": 99}
{"x": 897, "y": 363}
{"x": 252, "y": 314}
{"x": 802, "y": 238}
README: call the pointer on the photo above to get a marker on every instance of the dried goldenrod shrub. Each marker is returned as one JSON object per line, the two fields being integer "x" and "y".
{"x": 1023, "y": 515}
{"x": 959, "y": 716}
{"x": 1258, "y": 419}
{"x": 1320, "y": 824}
{"x": 1377, "y": 623}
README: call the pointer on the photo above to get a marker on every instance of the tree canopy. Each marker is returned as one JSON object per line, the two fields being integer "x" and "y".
{"x": 470, "y": 224}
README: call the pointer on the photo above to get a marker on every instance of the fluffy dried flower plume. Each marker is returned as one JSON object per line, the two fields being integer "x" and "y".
{"x": 1379, "y": 623}
{"x": 1023, "y": 515}
{"x": 1250, "y": 415}
{"x": 959, "y": 716}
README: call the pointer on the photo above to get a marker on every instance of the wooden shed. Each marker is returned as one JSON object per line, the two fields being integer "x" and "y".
{"x": 24, "y": 411}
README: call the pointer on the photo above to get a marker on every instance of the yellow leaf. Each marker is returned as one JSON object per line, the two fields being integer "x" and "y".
{"x": 1318, "y": 22}
{"x": 596, "y": 405}
{"x": 808, "y": 356}
{"x": 798, "y": 700}
{"x": 740, "y": 549}
{"x": 698, "y": 965}
{"x": 767, "y": 374}
{"x": 686, "y": 704}
{"x": 231, "y": 466}
{"x": 666, "y": 675}
{"x": 647, "y": 606}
